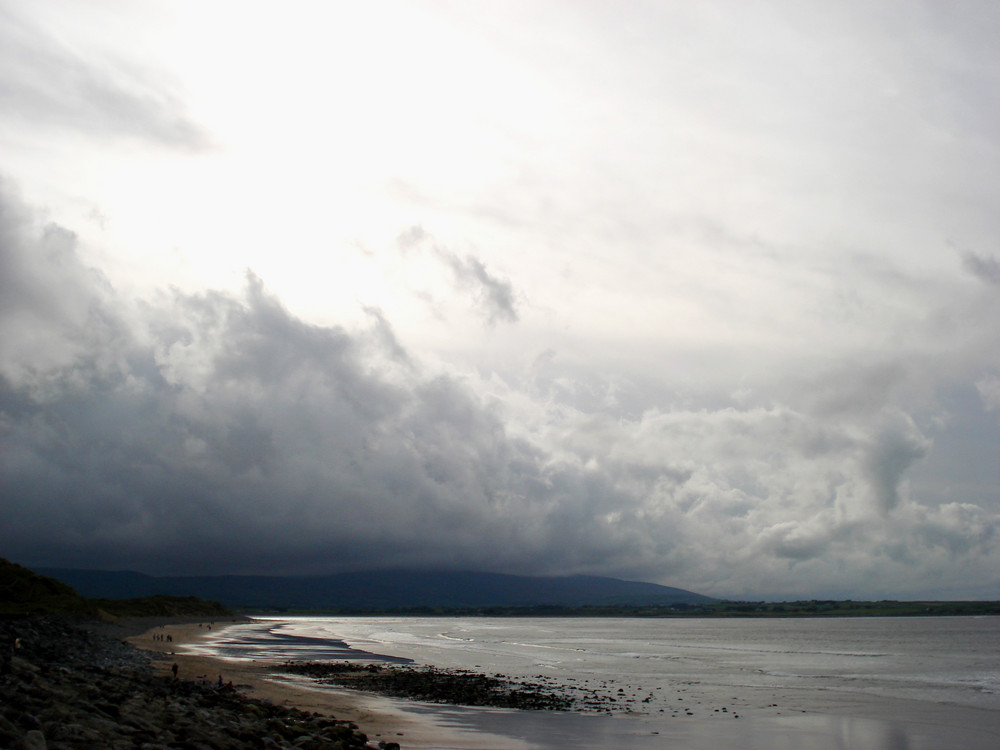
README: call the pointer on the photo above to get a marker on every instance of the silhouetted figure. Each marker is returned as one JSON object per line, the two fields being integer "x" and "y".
{"x": 174, "y": 670}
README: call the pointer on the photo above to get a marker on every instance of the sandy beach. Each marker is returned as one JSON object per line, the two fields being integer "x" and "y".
{"x": 378, "y": 717}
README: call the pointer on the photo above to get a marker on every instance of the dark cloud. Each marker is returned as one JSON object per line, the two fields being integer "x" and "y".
{"x": 799, "y": 545}
{"x": 47, "y": 83}
{"x": 896, "y": 447}
{"x": 215, "y": 429}
{"x": 985, "y": 268}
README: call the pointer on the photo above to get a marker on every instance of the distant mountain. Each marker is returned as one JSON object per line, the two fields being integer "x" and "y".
{"x": 380, "y": 590}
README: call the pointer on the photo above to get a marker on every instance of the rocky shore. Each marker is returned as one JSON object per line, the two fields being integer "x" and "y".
{"x": 468, "y": 688}
{"x": 434, "y": 685}
{"x": 63, "y": 687}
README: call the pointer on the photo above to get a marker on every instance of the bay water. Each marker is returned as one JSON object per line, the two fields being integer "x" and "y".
{"x": 896, "y": 683}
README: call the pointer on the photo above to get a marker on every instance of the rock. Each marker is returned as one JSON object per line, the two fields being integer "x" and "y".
{"x": 6, "y": 728}
{"x": 80, "y": 690}
{"x": 28, "y": 721}
{"x": 435, "y": 685}
{"x": 34, "y": 740}
{"x": 17, "y": 664}
{"x": 78, "y": 733}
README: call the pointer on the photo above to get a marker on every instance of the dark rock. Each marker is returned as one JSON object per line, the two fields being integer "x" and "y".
{"x": 71, "y": 689}
{"x": 434, "y": 685}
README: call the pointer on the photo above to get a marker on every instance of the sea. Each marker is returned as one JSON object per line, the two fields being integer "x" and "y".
{"x": 915, "y": 683}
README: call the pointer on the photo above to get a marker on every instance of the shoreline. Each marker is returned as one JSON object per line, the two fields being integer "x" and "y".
{"x": 421, "y": 726}
{"x": 379, "y": 718}
{"x": 253, "y": 679}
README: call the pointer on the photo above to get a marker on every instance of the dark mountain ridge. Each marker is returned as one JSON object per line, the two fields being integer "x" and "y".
{"x": 380, "y": 590}
{"x": 26, "y": 592}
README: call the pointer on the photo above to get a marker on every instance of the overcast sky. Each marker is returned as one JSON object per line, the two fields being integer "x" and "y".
{"x": 700, "y": 293}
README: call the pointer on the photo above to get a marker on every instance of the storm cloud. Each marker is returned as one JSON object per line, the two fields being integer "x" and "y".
{"x": 218, "y": 431}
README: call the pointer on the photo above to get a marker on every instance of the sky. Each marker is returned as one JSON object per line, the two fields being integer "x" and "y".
{"x": 705, "y": 294}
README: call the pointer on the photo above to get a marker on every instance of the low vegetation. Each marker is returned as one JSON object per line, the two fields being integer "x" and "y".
{"x": 843, "y": 608}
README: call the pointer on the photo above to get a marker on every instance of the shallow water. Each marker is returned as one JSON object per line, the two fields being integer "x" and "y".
{"x": 899, "y": 683}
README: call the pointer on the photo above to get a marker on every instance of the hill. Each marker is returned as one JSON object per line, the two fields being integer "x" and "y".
{"x": 382, "y": 590}
{"x": 26, "y": 592}
{"x": 23, "y": 591}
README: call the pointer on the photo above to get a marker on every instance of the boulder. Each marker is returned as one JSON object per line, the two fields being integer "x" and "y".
{"x": 34, "y": 740}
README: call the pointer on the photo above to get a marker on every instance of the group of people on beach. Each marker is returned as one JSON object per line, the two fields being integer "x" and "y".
{"x": 175, "y": 667}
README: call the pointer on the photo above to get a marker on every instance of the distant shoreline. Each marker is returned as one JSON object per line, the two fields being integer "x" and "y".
{"x": 720, "y": 610}
{"x": 467, "y": 593}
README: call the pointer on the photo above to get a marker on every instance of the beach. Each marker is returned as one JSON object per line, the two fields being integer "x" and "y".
{"x": 415, "y": 727}
{"x": 379, "y": 718}
{"x": 767, "y": 720}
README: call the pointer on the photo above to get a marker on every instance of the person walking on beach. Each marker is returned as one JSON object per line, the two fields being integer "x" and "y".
{"x": 174, "y": 670}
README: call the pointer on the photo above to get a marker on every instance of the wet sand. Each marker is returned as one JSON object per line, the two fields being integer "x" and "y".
{"x": 380, "y": 718}
{"x": 914, "y": 725}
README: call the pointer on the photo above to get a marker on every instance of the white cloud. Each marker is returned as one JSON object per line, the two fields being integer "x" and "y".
{"x": 48, "y": 84}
